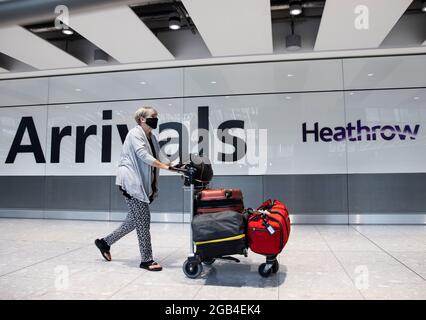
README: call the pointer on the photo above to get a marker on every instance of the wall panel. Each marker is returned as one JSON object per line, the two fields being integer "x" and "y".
{"x": 307, "y": 125}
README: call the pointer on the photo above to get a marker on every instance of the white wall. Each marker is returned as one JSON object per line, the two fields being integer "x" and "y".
{"x": 273, "y": 99}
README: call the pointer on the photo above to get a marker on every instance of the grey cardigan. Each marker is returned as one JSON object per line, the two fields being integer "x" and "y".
{"x": 134, "y": 173}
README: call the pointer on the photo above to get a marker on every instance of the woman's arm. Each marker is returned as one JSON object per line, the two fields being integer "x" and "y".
{"x": 141, "y": 151}
{"x": 140, "y": 148}
{"x": 163, "y": 158}
{"x": 160, "y": 165}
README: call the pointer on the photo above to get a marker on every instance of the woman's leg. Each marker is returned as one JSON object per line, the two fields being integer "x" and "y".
{"x": 142, "y": 221}
{"x": 127, "y": 226}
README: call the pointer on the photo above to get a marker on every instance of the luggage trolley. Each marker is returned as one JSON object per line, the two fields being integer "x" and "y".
{"x": 193, "y": 265}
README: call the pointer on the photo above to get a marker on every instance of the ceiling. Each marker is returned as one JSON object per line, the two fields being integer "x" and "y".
{"x": 119, "y": 32}
{"x": 135, "y": 34}
{"x": 235, "y": 27}
{"x": 341, "y": 31}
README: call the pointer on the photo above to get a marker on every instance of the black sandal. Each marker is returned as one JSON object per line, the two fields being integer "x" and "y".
{"x": 148, "y": 264}
{"x": 104, "y": 248}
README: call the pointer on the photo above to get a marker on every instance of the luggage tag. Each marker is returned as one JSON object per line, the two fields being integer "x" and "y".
{"x": 269, "y": 228}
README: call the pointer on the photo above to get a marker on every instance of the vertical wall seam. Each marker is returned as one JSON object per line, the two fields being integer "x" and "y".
{"x": 47, "y": 106}
{"x": 189, "y": 144}
{"x": 346, "y": 142}
{"x": 110, "y": 197}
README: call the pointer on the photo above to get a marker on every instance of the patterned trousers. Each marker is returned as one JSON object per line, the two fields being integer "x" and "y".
{"x": 138, "y": 218}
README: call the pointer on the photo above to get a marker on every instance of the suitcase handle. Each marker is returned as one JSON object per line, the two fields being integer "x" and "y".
{"x": 249, "y": 211}
{"x": 267, "y": 206}
{"x": 252, "y": 213}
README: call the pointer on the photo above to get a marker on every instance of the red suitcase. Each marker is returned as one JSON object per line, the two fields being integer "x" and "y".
{"x": 268, "y": 228}
{"x": 216, "y": 200}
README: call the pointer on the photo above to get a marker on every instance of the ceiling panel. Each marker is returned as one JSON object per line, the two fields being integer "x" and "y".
{"x": 22, "y": 45}
{"x": 237, "y": 27}
{"x": 120, "y": 32}
{"x": 341, "y": 20}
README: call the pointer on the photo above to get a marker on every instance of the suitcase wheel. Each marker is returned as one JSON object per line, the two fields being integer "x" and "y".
{"x": 209, "y": 262}
{"x": 192, "y": 269}
{"x": 265, "y": 270}
{"x": 275, "y": 267}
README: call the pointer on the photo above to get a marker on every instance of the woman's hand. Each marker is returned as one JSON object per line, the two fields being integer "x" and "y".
{"x": 172, "y": 168}
{"x": 161, "y": 165}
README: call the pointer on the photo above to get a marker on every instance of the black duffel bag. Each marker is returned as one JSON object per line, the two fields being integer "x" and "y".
{"x": 219, "y": 234}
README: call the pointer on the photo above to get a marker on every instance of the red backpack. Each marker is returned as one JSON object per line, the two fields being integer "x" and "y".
{"x": 268, "y": 228}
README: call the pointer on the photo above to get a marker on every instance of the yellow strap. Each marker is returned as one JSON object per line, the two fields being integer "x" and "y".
{"x": 223, "y": 239}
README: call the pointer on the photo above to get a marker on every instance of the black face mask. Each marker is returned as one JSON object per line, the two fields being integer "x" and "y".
{"x": 152, "y": 122}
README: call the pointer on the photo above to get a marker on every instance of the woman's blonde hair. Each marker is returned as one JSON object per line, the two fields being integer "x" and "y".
{"x": 144, "y": 112}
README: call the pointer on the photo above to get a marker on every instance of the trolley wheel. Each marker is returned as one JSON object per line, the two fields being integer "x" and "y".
{"x": 192, "y": 269}
{"x": 263, "y": 271}
{"x": 275, "y": 267}
{"x": 209, "y": 262}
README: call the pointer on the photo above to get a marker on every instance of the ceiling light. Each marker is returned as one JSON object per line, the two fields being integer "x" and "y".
{"x": 370, "y": 74}
{"x": 290, "y": 75}
{"x": 78, "y": 89}
{"x": 142, "y": 82}
{"x": 67, "y": 31}
{"x": 174, "y": 23}
{"x": 288, "y": 97}
{"x": 213, "y": 82}
{"x": 100, "y": 56}
{"x": 416, "y": 98}
{"x": 424, "y": 6}
{"x": 295, "y": 8}
{"x": 293, "y": 41}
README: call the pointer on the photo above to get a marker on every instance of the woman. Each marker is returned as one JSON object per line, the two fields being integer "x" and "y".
{"x": 137, "y": 178}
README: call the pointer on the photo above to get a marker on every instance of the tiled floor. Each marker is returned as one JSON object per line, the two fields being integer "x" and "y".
{"x": 52, "y": 259}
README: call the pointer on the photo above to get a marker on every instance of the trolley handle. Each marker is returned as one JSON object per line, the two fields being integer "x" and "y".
{"x": 187, "y": 173}
{"x": 180, "y": 170}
